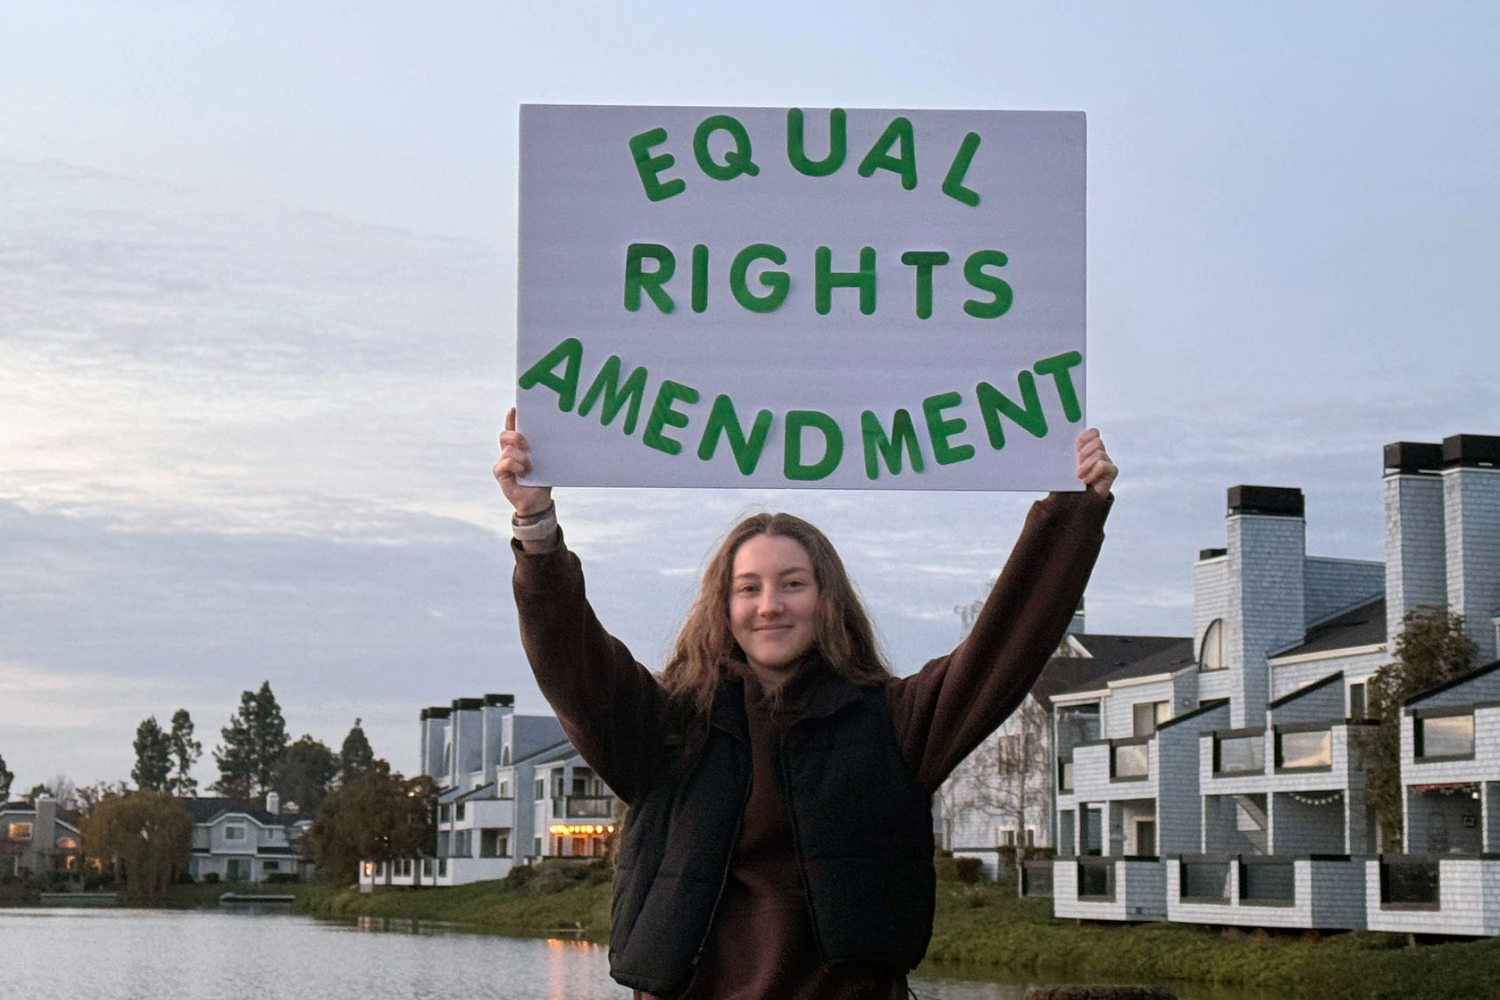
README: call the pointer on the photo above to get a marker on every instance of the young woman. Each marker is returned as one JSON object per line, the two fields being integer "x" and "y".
{"x": 779, "y": 840}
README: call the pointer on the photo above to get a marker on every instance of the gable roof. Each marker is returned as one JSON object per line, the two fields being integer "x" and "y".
{"x": 1363, "y": 625}
{"x": 1114, "y": 658}
{"x": 210, "y": 809}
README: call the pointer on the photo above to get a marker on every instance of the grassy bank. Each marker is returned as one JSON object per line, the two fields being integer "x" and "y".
{"x": 986, "y": 926}
{"x": 179, "y": 896}
{"x": 557, "y": 896}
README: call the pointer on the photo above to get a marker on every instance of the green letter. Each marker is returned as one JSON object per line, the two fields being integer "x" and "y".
{"x": 722, "y": 418}
{"x": 736, "y": 161}
{"x": 825, "y": 280}
{"x": 879, "y": 157}
{"x": 902, "y": 432}
{"x": 607, "y": 385}
{"x": 1057, "y": 366}
{"x": 700, "y": 277}
{"x": 796, "y": 151}
{"x": 953, "y": 184}
{"x": 833, "y": 441}
{"x": 924, "y": 261}
{"x": 649, "y": 166}
{"x": 776, "y": 281}
{"x": 566, "y": 385}
{"x": 651, "y": 281}
{"x": 941, "y": 430}
{"x": 987, "y": 283}
{"x": 993, "y": 403}
{"x": 663, "y": 415}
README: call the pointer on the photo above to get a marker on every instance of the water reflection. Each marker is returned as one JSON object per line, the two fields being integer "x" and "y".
{"x": 122, "y": 954}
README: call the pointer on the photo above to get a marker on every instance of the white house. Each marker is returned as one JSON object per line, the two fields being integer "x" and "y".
{"x": 1229, "y": 789}
{"x": 511, "y": 790}
{"x": 239, "y": 843}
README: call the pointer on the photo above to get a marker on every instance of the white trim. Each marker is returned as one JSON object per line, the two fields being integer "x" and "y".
{"x": 1327, "y": 654}
{"x": 1151, "y": 678}
{"x": 1079, "y": 697}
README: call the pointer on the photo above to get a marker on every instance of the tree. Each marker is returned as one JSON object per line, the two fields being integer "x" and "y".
{"x": 304, "y": 773}
{"x": 1431, "y": 649}
{"x": 61, "y": 789}
{"x": 153, "y": 756}
{"x": 355, "y": 756}
{"x": 90, "y": 796}
{"x": 6, "y": 777}
{"x": 380, "y": 817}
{"x": 147, "y": 836}
{"x": 185, "y": 753}
{"x": 254, "y": 741}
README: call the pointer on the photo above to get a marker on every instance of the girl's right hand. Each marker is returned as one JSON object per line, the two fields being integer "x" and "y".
{"x": 515, "y": 462}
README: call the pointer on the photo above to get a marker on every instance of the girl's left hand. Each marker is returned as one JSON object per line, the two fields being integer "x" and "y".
{"x": 1095, "y": 469}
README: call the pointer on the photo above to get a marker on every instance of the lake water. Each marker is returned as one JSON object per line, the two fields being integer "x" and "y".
{"x": 122, "y": 954}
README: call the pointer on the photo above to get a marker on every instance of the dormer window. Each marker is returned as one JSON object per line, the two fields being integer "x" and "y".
{"x": 1445, "y": 736}
{"x": 1211, "y": 652}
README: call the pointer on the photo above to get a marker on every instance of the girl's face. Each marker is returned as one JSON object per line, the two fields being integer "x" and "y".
{"x": 773, "y": 606}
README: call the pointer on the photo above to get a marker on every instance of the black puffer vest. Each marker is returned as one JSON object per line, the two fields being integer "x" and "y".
{"x": 861, "y": 821}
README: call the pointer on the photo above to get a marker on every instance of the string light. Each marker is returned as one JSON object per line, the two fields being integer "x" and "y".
{"x": 1316, "y": 800}
{"x": 578, "y": 830}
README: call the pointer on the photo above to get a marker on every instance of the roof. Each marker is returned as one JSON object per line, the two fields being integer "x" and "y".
{"x": 550, "y": 755}
{"x": 1455, "y": 682}
{"x": 210, "y": 809}
{"x": 1114, "y": 658}
{"x": 1363, "y": 625}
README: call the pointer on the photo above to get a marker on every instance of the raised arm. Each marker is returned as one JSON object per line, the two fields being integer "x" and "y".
{"x": 609, "y": 705}
{"x": 954, "y": 702}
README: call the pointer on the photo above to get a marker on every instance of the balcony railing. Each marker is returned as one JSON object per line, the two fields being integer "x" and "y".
{"x": 584, "y": 807}
{"x": 1268, "y": 881}
{"x": 1239, "y": 752}
{"x": 1036, "y": 878}
{"x": 1409, "y": 882}
{"x": 1203, "y": 879}
{"x": 1304, "y": 749}
{"x": 1096, "y": 878}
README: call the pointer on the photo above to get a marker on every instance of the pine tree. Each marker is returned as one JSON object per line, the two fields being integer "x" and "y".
{"x": 153, "y": 756}
{"x": 355, "y": 756}
{"x": 253, "y": 744}
{"x": 304, "y": 773}
{"x": 185, "y": 753}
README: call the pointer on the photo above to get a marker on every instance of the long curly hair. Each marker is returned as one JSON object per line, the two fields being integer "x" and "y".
{"x": 706, "y": 650}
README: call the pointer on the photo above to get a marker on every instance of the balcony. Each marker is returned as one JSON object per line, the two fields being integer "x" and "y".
{"x": 1113, "y": 887}
{"x": 1409, "y": 882}
{"x": 1096, "y": 879}
{"x": 1323, "y": 891}
{"x": 1239, "y": 752}
{"x": 1304, "y": 747}
{"x": 1036, "y": 878}
{"x": 1268, "y": 881}
{"x": 1435, "y": 894}
{"x": 584, "y": 807}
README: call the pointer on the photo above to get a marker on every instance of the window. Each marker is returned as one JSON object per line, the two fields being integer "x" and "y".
{"x": 20, "y": 831}
{"x": 494, "y": 843}
{"x": 458, "y": 813}
{"x": 1357, "y": 701}
{"x": 536, "y": 846}
{"x": 1444, "y": 736}
{"x": 505, "y": 755}
{"x": 234, "y": 831}
{"x": 504, "y": 790}
{"x": 557, "y": 785}
{"x": 1129, "y": 761}
{"x": 1211, "y": 652}
{"x": 1007, "y": 838}
{"x": 1304, "y": 749}
{"x": 1065, "y": 775}
{"x": 1031, "y": 836}
{"x": 541, "y": 790}
{"x": 1244, "y": 754}
{"x": 271, "y": 866}
{"x": 1146, "y": 716}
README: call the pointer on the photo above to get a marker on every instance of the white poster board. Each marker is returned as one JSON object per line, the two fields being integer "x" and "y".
{"x": 761, "y": 297}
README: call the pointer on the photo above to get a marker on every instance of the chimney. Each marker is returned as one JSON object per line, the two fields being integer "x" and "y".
{"x": 1471, "y": 534}
{"x": 273, "y": 803}
{"x": 1415, "y": 565}
{"x": 467, "y": 733}
{"x": 434, "y": 723}
{"x": 496, "y": 707}
{"x": 1267, "y": 550}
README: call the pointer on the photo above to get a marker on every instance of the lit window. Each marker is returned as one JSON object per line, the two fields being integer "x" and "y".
{"x": 20, "y": 831}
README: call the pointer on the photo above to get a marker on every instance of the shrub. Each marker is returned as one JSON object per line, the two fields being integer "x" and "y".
{"x": 951, "y": 869}
{"x": 211, "y": 878}
{"x": 282, "y": 878}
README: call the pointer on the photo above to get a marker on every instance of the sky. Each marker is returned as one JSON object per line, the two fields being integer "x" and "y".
{"x": 257, "y": 323}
